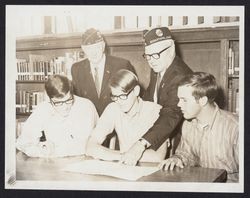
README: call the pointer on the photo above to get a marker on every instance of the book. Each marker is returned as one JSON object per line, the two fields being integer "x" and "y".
{"x": 230, "y": 69}
{"x": 230, "y": 95}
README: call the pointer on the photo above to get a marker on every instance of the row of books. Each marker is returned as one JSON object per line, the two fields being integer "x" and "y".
{"x": 233, "y": 62}
{"x": 27, "y": 101}
{"x": 40, "y": 70}
{"x": 233, "y": 95}
{"x": 37, "y": 68}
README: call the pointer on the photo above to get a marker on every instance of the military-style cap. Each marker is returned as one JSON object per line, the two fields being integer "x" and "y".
{"x": 156, "y": 35}
{"x": 91, "y": 36}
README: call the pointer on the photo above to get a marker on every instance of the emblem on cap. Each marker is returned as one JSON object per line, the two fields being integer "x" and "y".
{"x": 156, "y": 34}
{"x": 159, "y": 32}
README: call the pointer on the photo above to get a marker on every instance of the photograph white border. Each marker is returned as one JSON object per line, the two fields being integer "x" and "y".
{"x": 14, "y": 11}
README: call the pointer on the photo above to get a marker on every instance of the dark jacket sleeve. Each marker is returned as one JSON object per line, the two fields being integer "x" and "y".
{"x": 169, "y": 118}
{"x": 147, "y": 95}
{"x": 74, "y": 71}
{"x": 131, "y": 67}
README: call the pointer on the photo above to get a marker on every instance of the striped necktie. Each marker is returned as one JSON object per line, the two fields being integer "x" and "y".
{"x": 97, "y": 81}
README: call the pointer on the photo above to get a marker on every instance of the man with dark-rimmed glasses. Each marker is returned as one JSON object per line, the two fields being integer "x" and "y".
{"x": 167, "y": 70}
{"x": 61, "y": 125}
{"x": 130, "y": 116}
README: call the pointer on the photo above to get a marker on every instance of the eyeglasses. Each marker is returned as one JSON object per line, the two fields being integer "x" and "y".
{"x": 60, "y": 103}
{"x": 122, "y": 96}
{"x": 155, "y": 55}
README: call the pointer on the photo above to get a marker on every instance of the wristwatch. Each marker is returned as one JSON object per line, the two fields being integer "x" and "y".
{"x": 144, "y": 142}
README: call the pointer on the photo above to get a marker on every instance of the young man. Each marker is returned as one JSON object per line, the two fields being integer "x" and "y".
{"x": 130, "y": 116}
{"x": 91, "y": 75}
{"x": 58, "y": 127}
{"x": 166, "y": 71}
{"x": 209, "y": 134}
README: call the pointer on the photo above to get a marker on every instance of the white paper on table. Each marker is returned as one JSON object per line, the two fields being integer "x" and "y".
{"x": 97, "y": 167}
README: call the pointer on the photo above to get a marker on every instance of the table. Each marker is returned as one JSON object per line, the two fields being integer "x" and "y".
{"x": 39, "y": 169}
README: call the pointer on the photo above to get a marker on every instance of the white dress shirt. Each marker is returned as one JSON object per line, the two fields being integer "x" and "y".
{"x": 69, "y": 134}
{"x": 129, "y": 127}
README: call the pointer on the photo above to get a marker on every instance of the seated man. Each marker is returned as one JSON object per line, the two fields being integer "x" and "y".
{"x": 58, "y": 127}
{"x": 209, "y": 135}
{"x": 130, "y": 116}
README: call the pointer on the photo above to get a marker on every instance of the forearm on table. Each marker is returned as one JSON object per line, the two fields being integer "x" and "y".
{"x": 152, "y": 156}
{"x": 31, "y": 150}
{"x": 28, "y": 145}
{"x": 98, "y": 151}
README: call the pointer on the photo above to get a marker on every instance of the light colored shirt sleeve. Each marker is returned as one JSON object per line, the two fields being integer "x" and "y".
{"x": 184, "y": 149}
{"x": 28, "y": 140}
{"x": 89, "y": 120}
{"x": 106, "y": 123}
{"x": 233, "y": 176}
{"x": 236, "y": 146}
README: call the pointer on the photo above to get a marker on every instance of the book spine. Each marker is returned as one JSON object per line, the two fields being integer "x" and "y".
{"x": 230, "y": 71}
{"x": 230, "y": 95}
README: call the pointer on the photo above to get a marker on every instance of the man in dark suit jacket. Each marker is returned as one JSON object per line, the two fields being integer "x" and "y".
{"x": 84, "y": 74}
{"x": 167, "y": 71}
{"x": 91, "y": 76}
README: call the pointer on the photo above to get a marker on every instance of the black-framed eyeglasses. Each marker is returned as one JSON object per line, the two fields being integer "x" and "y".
{"x": 122, "y": 96}
{"x": 155, "y": 55}
{"x": 60, "y": 103}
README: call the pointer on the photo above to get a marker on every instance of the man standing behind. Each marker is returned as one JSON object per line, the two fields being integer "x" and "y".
{"x": 91, "y": 75}
{"x": 167, "y": 71}
{"x": 209, "y": 135}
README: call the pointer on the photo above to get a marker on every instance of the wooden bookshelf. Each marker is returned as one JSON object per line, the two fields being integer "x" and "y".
{"x": 203, "y": 49}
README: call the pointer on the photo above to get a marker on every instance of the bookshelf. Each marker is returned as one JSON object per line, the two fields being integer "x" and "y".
{"x": 32, "y": 74}
{"x": 233, "y": 76}
{"x": 203, "y": 49}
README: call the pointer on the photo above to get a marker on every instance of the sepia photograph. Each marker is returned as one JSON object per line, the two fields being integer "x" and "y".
{"x": 125, "y": 98}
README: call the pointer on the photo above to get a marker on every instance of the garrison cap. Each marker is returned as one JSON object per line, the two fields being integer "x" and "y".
{"x": 91, "y": 36}
{"x": 156, "y": 35}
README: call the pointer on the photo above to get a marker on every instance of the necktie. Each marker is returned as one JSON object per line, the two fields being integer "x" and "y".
{"x": 158, "y": 82}
{"x": 157, "y": 86}
{"x": 97, "y": 82}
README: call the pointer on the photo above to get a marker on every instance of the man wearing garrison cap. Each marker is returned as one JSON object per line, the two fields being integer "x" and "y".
{"x": 167, "y": 70}
{"x": 91, "y": 75}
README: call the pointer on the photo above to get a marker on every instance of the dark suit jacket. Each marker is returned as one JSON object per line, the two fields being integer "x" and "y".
{"x": 170, "y": 114}
{"x": 83, "y": 82}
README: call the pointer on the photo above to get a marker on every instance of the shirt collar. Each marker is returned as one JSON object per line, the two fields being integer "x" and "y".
{"x": 210, "y": 122}
{"x": 168, "y": 68}
{"x": 135, "y": 109}
{"x": 215, "y": 113}
{"x": 100, "y": 65}
{"x": 162, "y": 73}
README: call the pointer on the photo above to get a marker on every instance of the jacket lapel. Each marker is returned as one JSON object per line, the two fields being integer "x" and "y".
{"x": 154, "y": 79}
{"x": 168, "y": 75}
{"x": 106, "y": 76}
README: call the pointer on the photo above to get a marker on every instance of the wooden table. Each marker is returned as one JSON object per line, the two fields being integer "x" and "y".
{"x": 39, "y": 169}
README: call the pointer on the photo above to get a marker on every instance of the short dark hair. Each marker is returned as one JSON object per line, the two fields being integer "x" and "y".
{"x": 124, "y": 79}
{"x": 204, "y": 84}
{"x": 57, "y": 86}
